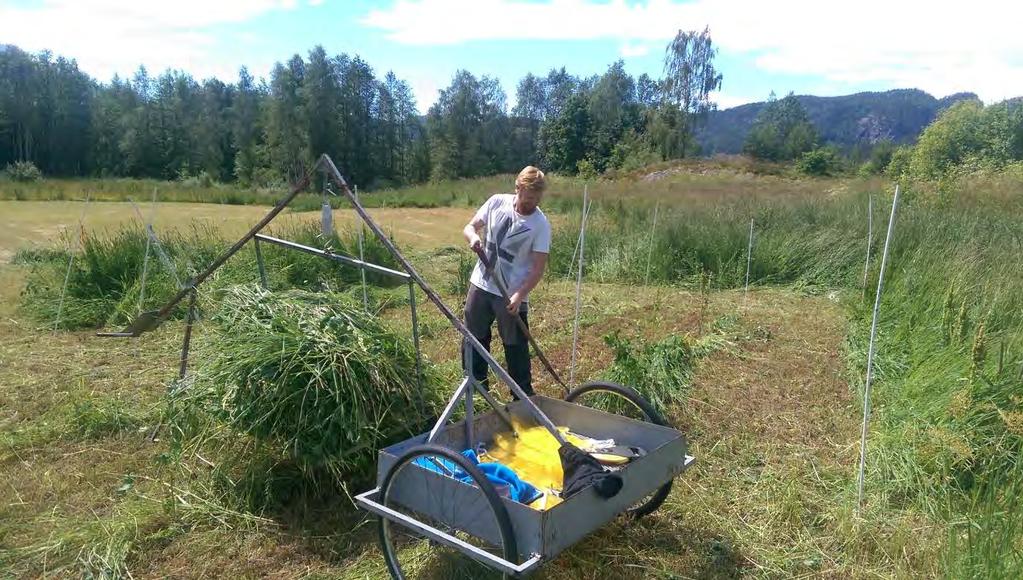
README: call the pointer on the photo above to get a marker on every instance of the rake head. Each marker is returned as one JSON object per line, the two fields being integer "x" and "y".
{"x": 144, "y": 323}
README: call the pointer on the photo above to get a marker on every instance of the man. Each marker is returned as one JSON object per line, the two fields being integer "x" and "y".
{"x": 518, "y": 240}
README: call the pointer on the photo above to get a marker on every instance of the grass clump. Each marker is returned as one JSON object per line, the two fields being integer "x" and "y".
{"x": 311, "y": 377}
{"x": 661, "y": 371}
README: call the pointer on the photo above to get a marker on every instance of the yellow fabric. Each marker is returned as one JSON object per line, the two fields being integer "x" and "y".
{"x": 533, "y": 456}
{"x": 609, "y": 459}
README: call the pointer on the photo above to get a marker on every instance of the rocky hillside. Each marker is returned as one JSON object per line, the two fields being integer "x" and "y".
{"x": 846, "y": 121}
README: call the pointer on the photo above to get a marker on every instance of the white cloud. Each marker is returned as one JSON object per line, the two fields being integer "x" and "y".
{"x": 911, "y": 43}
{"x": 115, "y": 36}
{"x": 727, "y": 101}
{"x": 630, "y": 50}
{"x": 426, "y": 87}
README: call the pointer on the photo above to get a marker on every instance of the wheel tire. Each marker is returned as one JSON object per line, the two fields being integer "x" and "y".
{"x": 655, "y": 500}
{"x": 509, "y": 546}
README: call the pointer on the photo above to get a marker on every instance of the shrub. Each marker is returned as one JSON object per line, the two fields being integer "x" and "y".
{"x": 819, "y": 162}
{"x": 899, "y": 163}
{"x": 23, "y": 171}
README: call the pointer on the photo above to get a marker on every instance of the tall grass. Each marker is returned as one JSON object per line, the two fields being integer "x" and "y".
{"x": 815, "y": 240}
{"x": 105, "y": 283}
{"x": 948, "y": 401}
{"x": 661, "y": 371}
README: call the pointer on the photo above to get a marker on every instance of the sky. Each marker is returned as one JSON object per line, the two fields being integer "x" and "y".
{"x": 818, "y": 47}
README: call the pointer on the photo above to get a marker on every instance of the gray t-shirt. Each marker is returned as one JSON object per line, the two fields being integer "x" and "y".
{"x": 512, "y": 238}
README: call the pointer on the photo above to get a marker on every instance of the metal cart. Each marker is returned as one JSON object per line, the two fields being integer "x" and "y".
{"x": 429, "y": 519}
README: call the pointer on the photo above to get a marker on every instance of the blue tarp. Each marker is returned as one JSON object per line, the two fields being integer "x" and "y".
{"x": 499, "y": 474}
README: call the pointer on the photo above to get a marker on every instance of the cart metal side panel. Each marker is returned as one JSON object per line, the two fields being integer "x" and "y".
{"x": 585, "y": 512}
{"x": 443, "y": 499}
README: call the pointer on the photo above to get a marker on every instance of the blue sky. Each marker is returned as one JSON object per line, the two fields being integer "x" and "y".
{"x": 810, "y": 47}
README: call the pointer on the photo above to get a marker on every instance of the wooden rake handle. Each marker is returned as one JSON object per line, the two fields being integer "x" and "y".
{"x": 490, "y": 267}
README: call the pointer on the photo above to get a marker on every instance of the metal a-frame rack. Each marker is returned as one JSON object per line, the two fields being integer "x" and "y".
{"x": 151, "y": 320}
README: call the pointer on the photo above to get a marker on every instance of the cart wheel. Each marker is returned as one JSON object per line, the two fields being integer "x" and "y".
{"x": 625, "y": 401}
{"x": 410, "y": 554}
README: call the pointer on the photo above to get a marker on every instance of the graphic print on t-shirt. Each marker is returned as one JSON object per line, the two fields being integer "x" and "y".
{"x": 506, "y": 245}
{"x": 511, "y": 239}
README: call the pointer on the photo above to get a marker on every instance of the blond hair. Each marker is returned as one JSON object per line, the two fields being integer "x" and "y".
{"x": 531, "y": 179}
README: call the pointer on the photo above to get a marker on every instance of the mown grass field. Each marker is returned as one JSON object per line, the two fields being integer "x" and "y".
{"x": 772, "y": 410}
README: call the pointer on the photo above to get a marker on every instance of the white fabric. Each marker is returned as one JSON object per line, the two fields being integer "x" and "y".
{"x": 511, "y": 238}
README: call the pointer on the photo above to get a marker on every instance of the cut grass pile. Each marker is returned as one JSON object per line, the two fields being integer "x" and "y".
{"x": 308, "y": 378}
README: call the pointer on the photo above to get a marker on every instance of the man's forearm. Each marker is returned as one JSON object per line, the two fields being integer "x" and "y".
{"x": 469, "y": 231}
{"x": 534, "y": 277}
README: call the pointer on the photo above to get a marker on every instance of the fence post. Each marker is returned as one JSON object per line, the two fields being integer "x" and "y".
{"x": 749, "y": 261}
{"x": 579, "y": 283}
{"x": 870, "y": 354}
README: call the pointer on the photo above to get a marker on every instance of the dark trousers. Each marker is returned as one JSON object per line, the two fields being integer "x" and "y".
{"x": 481, "y": 310}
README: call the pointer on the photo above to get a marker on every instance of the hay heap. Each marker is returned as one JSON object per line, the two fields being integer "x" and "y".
{"x": 310, "y": 374}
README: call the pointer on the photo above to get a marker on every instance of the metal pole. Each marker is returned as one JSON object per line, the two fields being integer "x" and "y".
{"x": 575, "y": 250}
{"x": 579, "y": 285}
{"x": 449, "y": 408}
{"x": 326, "y": 212}
{"x": 870, "y": 236}
{"x": 145, "y": 260}
{"x": 295, "y": 190}
{"x": 362, "y": 258}
{"x": 502, "y": 374}
{"x": 71, "y": 260}
{"x": 470, "y": 436}
{"x": 870, "y": 354}
{"x": 650, "y": 254}
{"x": 186, "y": 344}
{"x": 188, "y": 334}
{"x": 259, "y": 263}
{"x": 749, "y": 261}
{"x": 415, "y": 341}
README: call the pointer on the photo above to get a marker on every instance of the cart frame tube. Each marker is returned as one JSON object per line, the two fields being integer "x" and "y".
{"x": 367, "y": 501}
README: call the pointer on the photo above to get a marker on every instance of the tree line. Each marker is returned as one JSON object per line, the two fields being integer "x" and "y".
{"x": 267, "y": 131}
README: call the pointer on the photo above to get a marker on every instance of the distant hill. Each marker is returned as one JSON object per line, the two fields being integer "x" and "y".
{"x": 863, "y": 118}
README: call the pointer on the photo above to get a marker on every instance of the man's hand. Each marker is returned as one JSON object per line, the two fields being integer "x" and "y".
{"x": 471, "y": 232}
{"x": 514, "y": 302}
